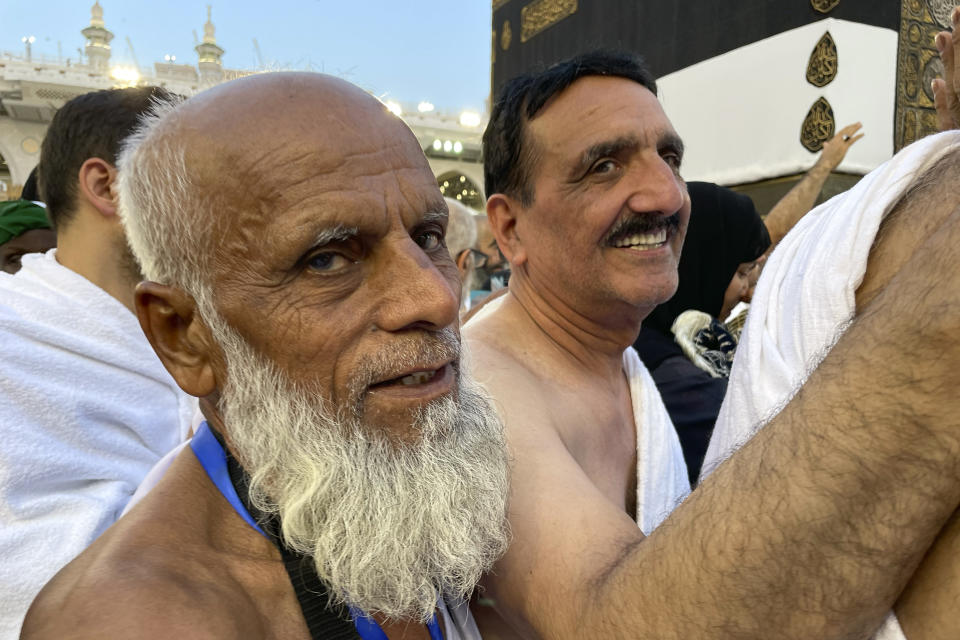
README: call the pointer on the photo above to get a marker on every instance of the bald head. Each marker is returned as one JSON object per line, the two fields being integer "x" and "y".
{"x": 238, "y": 134}
{"x": 242, "y": 151}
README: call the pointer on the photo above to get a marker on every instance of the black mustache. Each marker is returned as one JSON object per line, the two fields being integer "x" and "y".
{"x": 642, "y": 224}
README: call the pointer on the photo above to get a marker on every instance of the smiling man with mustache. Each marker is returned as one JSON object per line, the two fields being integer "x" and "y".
{"x": 810, "y": 530}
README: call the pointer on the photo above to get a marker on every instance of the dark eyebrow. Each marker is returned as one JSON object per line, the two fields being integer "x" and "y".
{"x": 603, "y": 149}
{"x": 671, "y": 141}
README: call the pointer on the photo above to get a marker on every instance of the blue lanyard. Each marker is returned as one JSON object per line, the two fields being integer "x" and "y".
{"x": 368, "y": 628}
{"x": 213, "y": 459}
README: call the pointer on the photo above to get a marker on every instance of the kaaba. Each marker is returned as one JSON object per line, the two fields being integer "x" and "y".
{"x": 755, "y": 87}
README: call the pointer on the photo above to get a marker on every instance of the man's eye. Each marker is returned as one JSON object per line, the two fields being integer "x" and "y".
{"x": 328, "y": 261}
{"x": 673, "y": 159}
{"x": 429, "y": 240}
{"x": 604, "y": 166}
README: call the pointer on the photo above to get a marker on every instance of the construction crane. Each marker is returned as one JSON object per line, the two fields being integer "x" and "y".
{"x": 256, "y": 50}
{"x": 133, "y": 54}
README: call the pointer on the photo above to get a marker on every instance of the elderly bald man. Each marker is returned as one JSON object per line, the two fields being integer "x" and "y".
{"x": 299, "y": 285}
{"x": 461, "y": 234}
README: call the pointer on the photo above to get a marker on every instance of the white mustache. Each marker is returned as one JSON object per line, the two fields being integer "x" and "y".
{"x": 405, "y": 355}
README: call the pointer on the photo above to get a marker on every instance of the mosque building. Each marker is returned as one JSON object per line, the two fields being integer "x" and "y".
{"x": 755, "y": 87}
{"x": 32, "y": 88}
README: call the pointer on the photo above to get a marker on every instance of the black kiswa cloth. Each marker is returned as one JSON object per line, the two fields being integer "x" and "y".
{"x": 325, "y": 620}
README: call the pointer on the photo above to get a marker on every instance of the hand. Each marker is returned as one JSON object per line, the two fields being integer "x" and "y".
{"x": 835, "y": 150}
{"x": 946, "y": 90}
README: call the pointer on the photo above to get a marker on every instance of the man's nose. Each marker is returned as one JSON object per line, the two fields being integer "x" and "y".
{"x": 418, "y": 293}
{"x": 656, "y": 187}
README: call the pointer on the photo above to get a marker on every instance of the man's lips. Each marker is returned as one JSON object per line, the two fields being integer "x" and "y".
{"x": 643, "y": 241}
{"x": 643, "y": 232}
{"x": 427, "y": 381}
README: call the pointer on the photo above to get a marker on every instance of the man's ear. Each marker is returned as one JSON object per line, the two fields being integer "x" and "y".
{"x": 96, "y": 179}
{"x": 463, "y": 263}
{"x": 502, "y": 213}
{"x": 169, "y": 319}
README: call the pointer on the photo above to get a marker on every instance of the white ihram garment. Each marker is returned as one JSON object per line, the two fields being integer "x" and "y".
{"x": 805, "y": 301}
{"x": 86, "y": 409}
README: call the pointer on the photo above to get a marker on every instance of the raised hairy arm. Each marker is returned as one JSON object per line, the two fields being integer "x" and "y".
{"x": 810, "y": 531}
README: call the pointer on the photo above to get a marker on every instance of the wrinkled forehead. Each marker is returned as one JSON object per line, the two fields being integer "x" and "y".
{"x": 305, "y": 160}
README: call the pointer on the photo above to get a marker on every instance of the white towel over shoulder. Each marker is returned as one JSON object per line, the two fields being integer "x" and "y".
{"x": 662, "y": 481}
{"x": 86, "y": 409}
{"x": 805, "y": 299}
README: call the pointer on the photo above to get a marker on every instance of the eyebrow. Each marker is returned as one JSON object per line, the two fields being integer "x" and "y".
{"x": 602, "y": 149}
{"x": 338, "y": 233}
{"x": 435, "y": 216}
{"x": 670, "y": 140}
{"x": 666, "y": 140}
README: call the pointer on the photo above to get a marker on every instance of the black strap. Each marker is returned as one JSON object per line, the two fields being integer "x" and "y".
{"x": 325, "y": 619}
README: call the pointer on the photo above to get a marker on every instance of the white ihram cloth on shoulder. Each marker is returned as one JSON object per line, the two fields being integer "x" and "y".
{"x": 805, "y": 301}
{"x": 86, "y": 409}
{"x": 662, "y": 480}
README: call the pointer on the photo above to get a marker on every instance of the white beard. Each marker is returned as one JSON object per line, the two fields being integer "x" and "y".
{"x": 391, "y": 526}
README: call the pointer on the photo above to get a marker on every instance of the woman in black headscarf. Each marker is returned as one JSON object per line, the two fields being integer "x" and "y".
{"x": 725, "y": 239}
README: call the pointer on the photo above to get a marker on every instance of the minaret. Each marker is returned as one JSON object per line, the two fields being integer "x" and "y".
{"x": 211, "y": 69}
{"x": 98, "y": 40}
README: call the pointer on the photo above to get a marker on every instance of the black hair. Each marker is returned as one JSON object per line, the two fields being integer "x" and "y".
{"x": 508, "y": 151}
{"x": 89, "y": 126}
{"x": 30, "y": 190}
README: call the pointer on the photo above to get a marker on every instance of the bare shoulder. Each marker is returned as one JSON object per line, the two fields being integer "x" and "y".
{"x": 920, "y": 214}
{"x": 565, "y": 531}
{"x": 159, "y": 572}
{"x": 127, "y": 593}
{"x": 503, "y": 362}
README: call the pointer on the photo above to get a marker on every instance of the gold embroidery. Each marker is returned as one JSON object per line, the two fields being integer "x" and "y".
{"x": 824, "y": 6}
{"x": 818, "y": 127}
{"x": 541, "y": 14}
{"x": 918, "y": 63}
{"x": 499, "y": 3}
{"x": 506, "y": 35}
{"x": 822, "y": 68}
{"x": 940, "y": 11}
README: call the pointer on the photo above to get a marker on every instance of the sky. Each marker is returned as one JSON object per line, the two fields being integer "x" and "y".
{"x": 408, "y": 50}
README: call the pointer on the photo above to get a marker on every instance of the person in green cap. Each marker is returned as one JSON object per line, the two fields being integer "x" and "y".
{"x": 24, "y": 228}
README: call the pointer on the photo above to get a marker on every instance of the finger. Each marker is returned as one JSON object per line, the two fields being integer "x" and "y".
{"x": 945, "y": 120}
{"x": 846, "y": 134}
{"x": 854, "y": 139}
{"x": 944, "y": 41}
{"x": 953, "y": 52}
